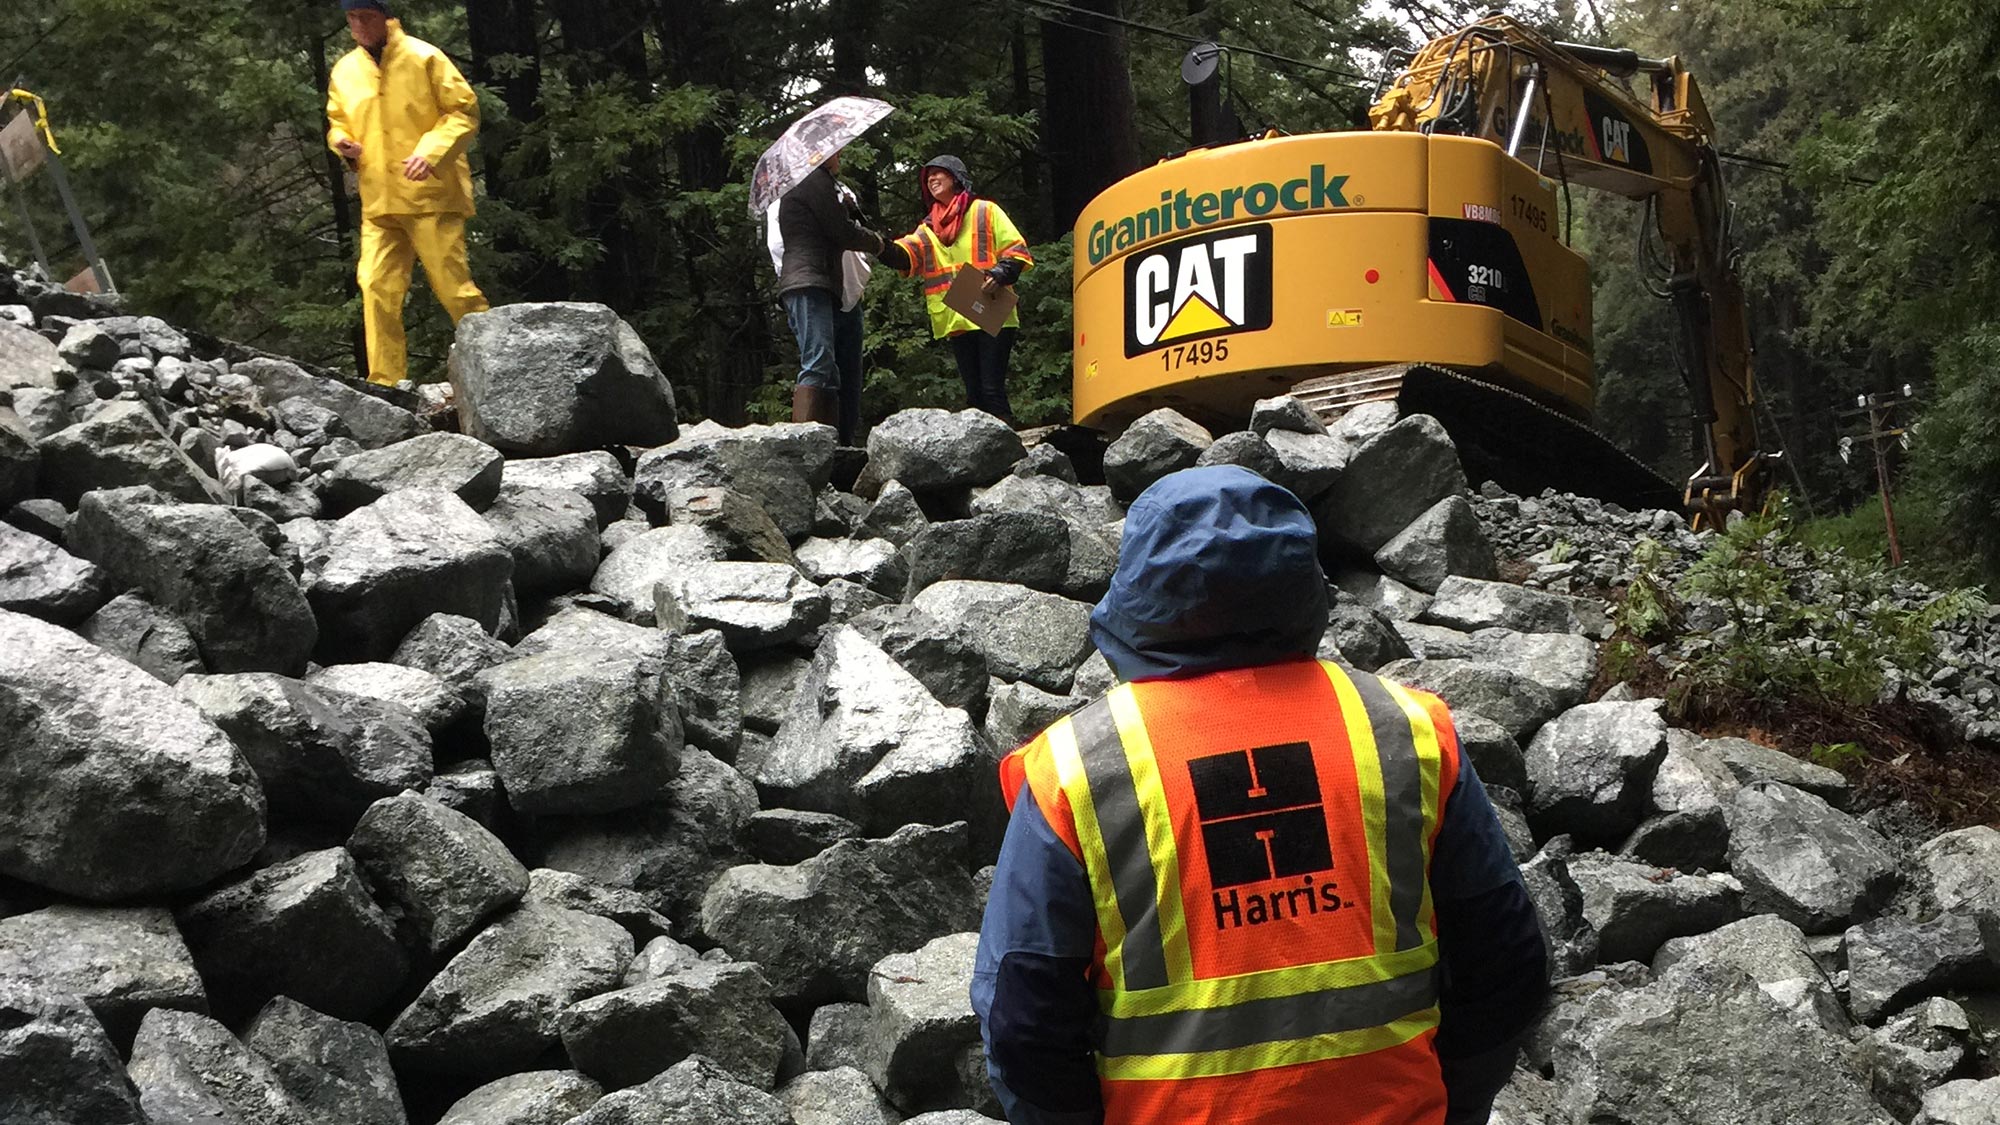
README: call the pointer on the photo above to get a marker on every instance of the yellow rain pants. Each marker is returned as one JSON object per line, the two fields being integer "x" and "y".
{"x": 389, "y": 245}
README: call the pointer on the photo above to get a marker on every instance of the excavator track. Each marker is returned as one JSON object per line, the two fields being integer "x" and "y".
{"x": 1502, "y": 435}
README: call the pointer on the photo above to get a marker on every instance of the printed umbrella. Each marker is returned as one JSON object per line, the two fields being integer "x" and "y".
{"x": 807, "y": 144}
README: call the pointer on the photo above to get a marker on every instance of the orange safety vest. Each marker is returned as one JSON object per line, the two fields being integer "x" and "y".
{"x": 1258, "y": 845}
{"x": 985, "y": 236}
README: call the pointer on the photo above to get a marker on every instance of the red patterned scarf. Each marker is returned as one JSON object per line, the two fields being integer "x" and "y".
{"x": 946, "y": 218}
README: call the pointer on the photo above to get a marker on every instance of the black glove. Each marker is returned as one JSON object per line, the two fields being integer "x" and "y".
{"x": 1007, "y": 272}
{"x": 894, "y": 256}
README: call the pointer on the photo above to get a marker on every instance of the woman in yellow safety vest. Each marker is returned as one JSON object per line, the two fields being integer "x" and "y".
{"x": 962, "y": 228}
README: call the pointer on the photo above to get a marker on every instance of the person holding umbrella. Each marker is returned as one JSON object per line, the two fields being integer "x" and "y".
{"x": 960, "y": 228}
{"x": 817, "y": 229}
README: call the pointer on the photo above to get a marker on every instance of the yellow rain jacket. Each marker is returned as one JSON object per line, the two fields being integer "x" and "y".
{"x": 984, "y": 237}
{"x": 413, "y": 103}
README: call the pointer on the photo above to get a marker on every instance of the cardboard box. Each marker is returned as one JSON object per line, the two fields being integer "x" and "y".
{"x": 967, "y": 297}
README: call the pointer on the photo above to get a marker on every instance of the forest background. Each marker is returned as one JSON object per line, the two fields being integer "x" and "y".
{"x": 618, "y": 137}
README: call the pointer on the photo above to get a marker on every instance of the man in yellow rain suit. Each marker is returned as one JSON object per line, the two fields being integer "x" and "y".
{"x": 402, "y": 116}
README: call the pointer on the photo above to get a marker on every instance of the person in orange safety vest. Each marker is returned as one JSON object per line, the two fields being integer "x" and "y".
{"x": 1248, "y": 886}
{"x": 961, "y": 228}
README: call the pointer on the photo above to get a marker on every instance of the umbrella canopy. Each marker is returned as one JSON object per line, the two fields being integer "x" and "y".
{"x": 807, "y": 144}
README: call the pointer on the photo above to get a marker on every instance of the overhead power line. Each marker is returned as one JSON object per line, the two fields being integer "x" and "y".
{"x": 1349, "y": 77}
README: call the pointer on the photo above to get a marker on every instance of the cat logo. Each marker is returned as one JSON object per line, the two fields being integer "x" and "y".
{"x": 1194, "y": 288}
{"x": 1617, "y": 139}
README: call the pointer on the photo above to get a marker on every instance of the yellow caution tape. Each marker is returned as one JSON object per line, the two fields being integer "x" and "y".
{"x": 41, "y": 109}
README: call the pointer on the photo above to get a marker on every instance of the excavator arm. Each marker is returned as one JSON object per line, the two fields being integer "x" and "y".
{"x": 1564, "y": 108}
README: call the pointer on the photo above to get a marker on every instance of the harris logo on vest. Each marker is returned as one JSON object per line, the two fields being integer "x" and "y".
{"x": 1262, "y": 819}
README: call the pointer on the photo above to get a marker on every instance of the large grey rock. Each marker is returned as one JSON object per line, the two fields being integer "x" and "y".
{"x": 189, "y": 1068}
{"x": 1024, "y": 634}
{"x": 1915, "y": 1052}
{"x": 1023, "y": 548}
{"x": 444, "y": 872}
{"x": 561, "y": 377}
{"x": 552, "y": 536}
{"x": 146, "y": 337}
{"x": 112, "y": 786}
{"x": 1389, "y": 481}
{"x": 874, "y": 563}
{"x": 338, "y": 1072}
{"x": 1093, "y": 555}
{"x": 1775, "y": 954}
{"x": 895, "y": 515}
{"x": 123, "y": 962}
{"x": 788, "y": 836}
{"x": 117, "y": 447}
{"x": 838, "y": 1036}
{"x": 946, "y": 659}
{"x": 841, "y": 1096}
{"x": 937, "y": 451}
{"x": 746, "y": 531}
{"x": 634, "y": 568}
{"x": 576, "y": 628}
{"x": 199, "y": 563}
{"x": 454, "y": 649}
{"x": 1162, "y": 442}
{"x": 538, "y": 1097}
{"x": 373, "y": 422}
{"x": 1360, "y": 637}
{"x": 399, "y": 560}
{"x": 720, "y": 1010}
{"x": 1967, "y": 1101}
{"x": 769, "y": 680}
{"x": 1704, "y": 1047}
{"x": 1492, "y": 751}
{"x": 493, "y": 1009}
{"x": 924, "y": 1051}
{"x": 1307, "y": 464}
{"x": 1517, "y": 703}
{"x": 1590, "y": 770}
{"x": 1383, "y": 594}
{"x": 1446, "y": 540}
{"x": 463, "y": 466}
{"x": 132, "y": 628}
{"x": 818, "y": 927}
{"x": 1806, "y": 861}
{"x": 1892, "y": 961}
{"x": 671, "y": 850}
{"x": 575, "y": 731}
{"x": 1748, "y": 762}
{"x": 1964, "y": 868}
{"x": 42, "y": 580}
{"x": 695, "y": 1091}
{"x": 709, "y": 688}
{"x": 26, "y": 358}
{"x": 1697, "y": 840}
{"x": 595, "y": 475}
{"x": 57, "y": 1067}
{"x": 306, "y": 929}
{"x": 865, "y": 740}
{"x": 1636, "y": 907}
{"x": 20, "y": 460}
{"x": 781, "y": 467}
{"x": 436, "y": 704}
{"x": 1021, "y": 711}
{"x": 1470, "y": 604}
{"x": 1558, "y": 903}
{"x": 1564, "y": 664}
{"x": 320, "y": 753}
{"x": 755, "y": 605}
{"x": 87, "y": 345}
{"x": 630, "y": 909}
{"x": 1690, "y": 778}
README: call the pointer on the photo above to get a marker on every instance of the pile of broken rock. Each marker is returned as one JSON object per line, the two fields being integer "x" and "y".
{"x": 580, "y": 768}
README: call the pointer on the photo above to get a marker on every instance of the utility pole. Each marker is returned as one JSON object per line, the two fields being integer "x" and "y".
{"x": 1880, "y": 410}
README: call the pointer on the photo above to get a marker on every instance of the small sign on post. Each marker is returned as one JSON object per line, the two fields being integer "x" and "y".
{"x": 21, "y": 150}
{"x": 85, "y": 282}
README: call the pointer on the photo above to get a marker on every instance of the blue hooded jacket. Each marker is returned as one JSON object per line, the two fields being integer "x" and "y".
{"x": 1218, "y": 569}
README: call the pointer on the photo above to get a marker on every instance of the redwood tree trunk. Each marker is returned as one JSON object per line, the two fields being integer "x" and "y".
{"x": 1089, "y": 125}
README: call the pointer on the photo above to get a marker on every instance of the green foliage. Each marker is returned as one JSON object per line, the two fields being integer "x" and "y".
{"x": 1803, "y": 624}
{"x": 1649, "y": 609}
{"x": 1838, "y": 755}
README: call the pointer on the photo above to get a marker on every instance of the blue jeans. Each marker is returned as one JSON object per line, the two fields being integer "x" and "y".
{"x": 829, "y": 350}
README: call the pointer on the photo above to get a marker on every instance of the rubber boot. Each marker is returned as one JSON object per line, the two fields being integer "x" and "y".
{"x": 816, "y": 404}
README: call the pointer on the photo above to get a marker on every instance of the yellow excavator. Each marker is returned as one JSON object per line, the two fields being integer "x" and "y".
{"x": 1426, "y": 262}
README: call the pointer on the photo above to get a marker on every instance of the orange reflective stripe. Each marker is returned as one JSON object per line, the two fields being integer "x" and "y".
{"x": 913, "y": 245}
{"x": 983, "y": 246}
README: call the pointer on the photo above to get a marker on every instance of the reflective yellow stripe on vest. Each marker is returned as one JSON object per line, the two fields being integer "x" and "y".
{"x": 1161, "y": 1023}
